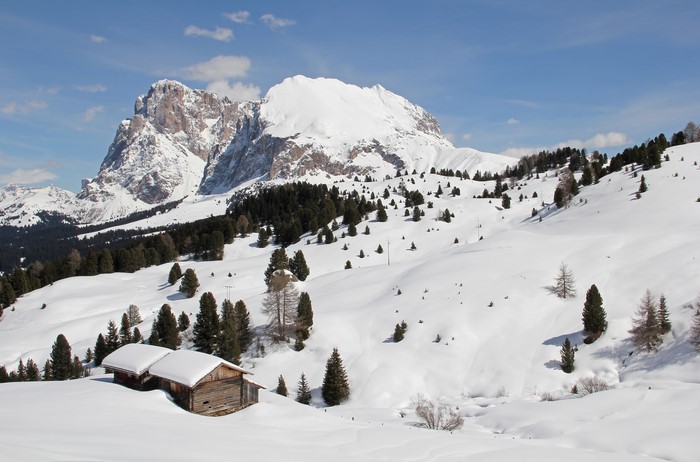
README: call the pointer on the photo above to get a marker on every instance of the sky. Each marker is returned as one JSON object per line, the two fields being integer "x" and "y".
{"x": 500, "y": 76}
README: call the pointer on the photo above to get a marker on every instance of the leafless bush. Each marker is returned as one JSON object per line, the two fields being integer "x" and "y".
{"x": 587, "y": 385}
{"x": 547, "y": 396}
{"x": 435, "y": 417}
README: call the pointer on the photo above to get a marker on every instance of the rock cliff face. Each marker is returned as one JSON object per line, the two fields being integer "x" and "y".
{"x": 181, "y": 142}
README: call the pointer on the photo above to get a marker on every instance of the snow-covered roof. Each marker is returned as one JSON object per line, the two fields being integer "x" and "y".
{"x": 134, "y": 357}
{"x": 188, "y": 367}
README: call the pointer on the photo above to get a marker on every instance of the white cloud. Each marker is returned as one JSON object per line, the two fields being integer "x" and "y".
{"x": 97, "y": 38}
{"x": 240, "y": 17}
{"x": 273, "y": 22}
{"x": 599, "y": 141}
{"x": 97, "y": 88}
{"x": 521, "y": 102}
{"x": 220, "y": 33}
{"x": 236, "y": 92}
{"x": 466, "y": 136}
{"x": 92, "y": 112}
{"x": 513, "y": 121}
{"x": 219, "y": 68}
{"x": 9, "y": 108}
{"x": 12, "y": 107}
{"x": 27, "y": 176}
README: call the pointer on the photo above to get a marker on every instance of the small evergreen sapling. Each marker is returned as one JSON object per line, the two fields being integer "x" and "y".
{"x": 281, "y": 387}
{"x": 303, "y": 392}
{"x": 663, "y": 315}
{"x": 567, "y": 356}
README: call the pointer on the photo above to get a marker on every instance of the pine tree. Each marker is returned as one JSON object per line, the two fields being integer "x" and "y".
{"x": 47, "y": 370}
{"x": 695, "y": 328}
{"x": 61, "y": 359}
{"x": 594, "y": 323}
{"x": 281, "y": 387}
{"x": 298, "y": 267}
{"x": 642, "y": 185}
{"x": 89, "y": 355}
{"x": 183, "y": 322}
{"x": 416, "y": 214}
{"x": 567, "y": 356}
{"x": 646, "y": 333}
{"x": 263, "y": 238}
{"x": 227, "y": 310}
{"x": 137, "y": 337}
{"x": 175, "y": 274}
{"x": 125, "y": 330}
{"x": 207, "y": 325}
{"x": 76, "y": 369}
{"x": 382, "y": 215}
{"x": 505, "y": 201}
{"x": 33, "y": 374}
{"x": 663, "y": 316}
{"x": 564, "y": 287}
{"x": 278, "y": 260}
{"x": 190, "y": 283}
{"x": 380, "y": 249}
{"x": 134, "y": 315}
{"x": 348, "y": 265}
{"x": 166, "y": 328}
{"x": 153, "y": 338}
{"x": 305, "y": 315}
{"x": 335, "y": 388}
{"x": 243, "y": 330}
{"x": 4, "y": 376}
{"x": 280, "y": 304}
{"x": 112, "y": 339}
{"x": 228, "y": 347}
{"x": 303, "y": 392}
{"x": 100, "y": 350}
{"x": 21, "y": 372}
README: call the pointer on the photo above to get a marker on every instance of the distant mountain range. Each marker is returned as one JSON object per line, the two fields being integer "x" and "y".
{"x": 183, "y": 142}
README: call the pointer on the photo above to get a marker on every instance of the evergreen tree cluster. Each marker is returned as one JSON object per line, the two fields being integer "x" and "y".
{"x": 226, "y": 336}
{"x": 400, "y": 331}
{"x": 116, "y": 337}
{"x": 279, "y": 261}
{"x": 297, "y": 208}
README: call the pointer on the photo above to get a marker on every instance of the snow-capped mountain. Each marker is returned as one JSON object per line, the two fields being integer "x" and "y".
{"x": 184, "y": 142}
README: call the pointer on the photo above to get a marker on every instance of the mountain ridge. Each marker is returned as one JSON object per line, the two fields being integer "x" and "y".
{"x": 185, "y": 142}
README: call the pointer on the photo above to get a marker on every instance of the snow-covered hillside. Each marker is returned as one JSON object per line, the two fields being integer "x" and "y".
{"x": 493, "y": 362}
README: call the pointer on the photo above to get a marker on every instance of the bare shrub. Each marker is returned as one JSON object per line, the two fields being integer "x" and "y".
{"x": 435, "y": 417}
{"x": 587, "y": 385}
{"x": 547, "y": 396}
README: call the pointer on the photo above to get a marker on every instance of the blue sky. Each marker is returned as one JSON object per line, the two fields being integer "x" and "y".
{"x": 500, "y": 76}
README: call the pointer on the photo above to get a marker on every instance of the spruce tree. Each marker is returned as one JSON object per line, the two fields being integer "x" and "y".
{"x": 567, "y": 356}
{"x": 281, "y": 387}
{"x": 305, "y": 315}
{"x": 76, "y": 369}
{"x": 207, "y": 325}
{"x": 227, "y": 310}
{"x": 278, "y": 260}
{"x": 61, "y": 359}
{"x": 175, "y": 274}
{"x": 382, "y": 215}
{"x": 33, "y": 374}
{"x": 594, "y": 323}
{"x": 646, "y": 333}
{"x": 47, "y": 374}
{"x": 153, "y": 338}
{"x": 398, "y": 333}
{"x": 228, "y": 347}
{"x": 335, "y": 388}
{"x": 100, "y": 350}
{"x": 4, "y": 376}
{"x": 243, "y": 329}
{"x": 663, "y": 316}
{"x": 183, "y": 322}
{"x": 137, "y": 337}
{"x": 89, "y": 355}
{"x": 21, "y": 371}
{"x": 298, "y": 266}
{"x": 190, "y": 283}
{"x": 112, "y": 339}
{"x": 125, "y": 331}
{"x": 303, "y": 392}
{"x": 166, "y": 328}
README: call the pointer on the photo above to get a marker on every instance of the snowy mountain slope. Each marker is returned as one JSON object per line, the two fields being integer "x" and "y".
{"x": 183, "y": 142}
{"x": 491, "y": 361}
{"x": 20, "y": 206}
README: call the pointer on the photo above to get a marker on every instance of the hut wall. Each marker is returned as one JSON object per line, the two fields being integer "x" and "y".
{"x": 218, "y": 397}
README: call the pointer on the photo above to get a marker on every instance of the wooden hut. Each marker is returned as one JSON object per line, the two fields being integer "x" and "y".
{"x": 204, "y": 384}
{"x": 131, "y": 362}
